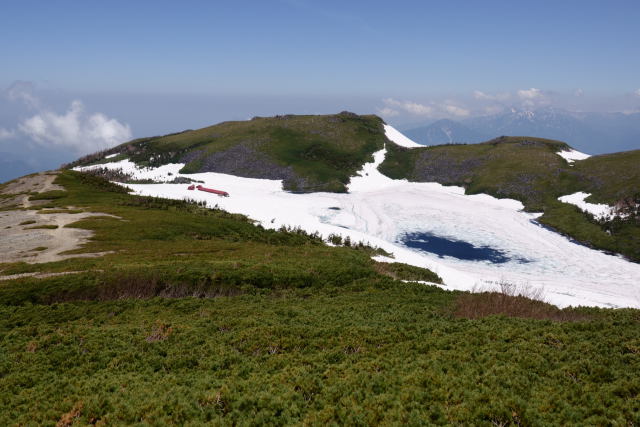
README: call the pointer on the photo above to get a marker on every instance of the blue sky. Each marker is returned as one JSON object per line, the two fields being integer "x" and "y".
{"x": 160, "y": 66}
{"x": 322, "y": 47}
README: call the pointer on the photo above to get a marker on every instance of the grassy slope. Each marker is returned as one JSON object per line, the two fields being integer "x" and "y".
{"x": 529, "y": 170}
{"x": 184, "y": 243}
{"x": 521, "y": 168}
{"x": 324, "y": 151}
{"x": 305, "y": 333}
{"x": 610, "y": 177}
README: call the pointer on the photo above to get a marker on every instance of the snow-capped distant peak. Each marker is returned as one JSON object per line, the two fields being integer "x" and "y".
{"x": 447, "y": 131}
{"x": 572, "y": 155}
{"x": 397, "y": 137}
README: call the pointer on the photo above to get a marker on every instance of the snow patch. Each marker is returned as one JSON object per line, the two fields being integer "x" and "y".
{"x": 572, "y": 155}
{"x": 111, "y": 156}
{"x": 369, "y": 178}
{"x": 600, "y": 211}
{"x": 159, "y": 174}
{"x": 397, "y": 137}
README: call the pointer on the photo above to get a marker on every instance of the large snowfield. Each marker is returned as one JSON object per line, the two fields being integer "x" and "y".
{"x": 379, "y": 210}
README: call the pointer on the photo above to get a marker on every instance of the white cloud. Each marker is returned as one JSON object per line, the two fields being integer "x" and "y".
{"x": 418, "y": 109}
{"x": 6, "y": 134}
{"x": 456, "y": 111}
{"x": 75, "y": 129}
{"x": 409, "y": 107}
{"x": 530, "y": 94}
{"x": 477, "y": 94}
{"x": 23, "y": 91}
{"x": 579, "y": 92}
{"x": 446, "y": 108}
{"x": 637, "y": 92}
{"x": 388, "y": 112}
{"x": 532, "y": 97}
{"x": 488, "y": 97}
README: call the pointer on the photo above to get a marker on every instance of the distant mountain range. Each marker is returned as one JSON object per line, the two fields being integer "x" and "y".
{"x": 592, "y": 133}
{"x": 444, "y": 132}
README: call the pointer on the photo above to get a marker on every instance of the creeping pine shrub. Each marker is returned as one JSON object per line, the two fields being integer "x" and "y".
{"x": 335, "y": 239}
{"x": 117, "y": 175}
{"x": 90, "y": 158}
{"x": 67, "y": 419}
{"x": 315, "y": 237}
{"x": 512, "y": 300}
{"x": 99, "y": 182}
{"x": 400, "y": 271}
{"x": 185, "y": 205}
{"x": 159, "y": 332}
{"x": 143, "y": 285}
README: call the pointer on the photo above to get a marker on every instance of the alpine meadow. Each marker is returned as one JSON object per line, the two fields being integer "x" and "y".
{"x": 290, "y": 212}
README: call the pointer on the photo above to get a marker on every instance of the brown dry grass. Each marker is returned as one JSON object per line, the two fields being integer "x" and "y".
{"x": 512, "y": 301}
{"x": 32, "y": 346}
{"x": 127, "y": 285}
{"x": 67, "y": 419}
{"x": 160, "y": 332}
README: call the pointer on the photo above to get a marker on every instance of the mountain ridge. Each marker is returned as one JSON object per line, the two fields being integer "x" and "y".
{"x": 303, "y": 151}
{"x": 594, "y": 133}
{"x": 321, "y": 153}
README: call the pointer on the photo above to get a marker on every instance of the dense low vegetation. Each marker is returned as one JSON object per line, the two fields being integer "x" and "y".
{"x": 530, "y": 170}
{"x": 515, "y": 167}
{"x": 199, "y": 316}
{"x": 357, "y": 355}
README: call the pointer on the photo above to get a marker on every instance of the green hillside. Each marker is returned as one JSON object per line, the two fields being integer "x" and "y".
{"x": 321, "y": 153}
{"x": 610, "y": 177}
{"x": 529, "y": 170}
{"x": 196, "y": 316}
{"x": 309, "y": 153}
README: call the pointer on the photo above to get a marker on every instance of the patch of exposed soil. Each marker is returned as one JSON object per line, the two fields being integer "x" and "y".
{"x": 23, "y": 233}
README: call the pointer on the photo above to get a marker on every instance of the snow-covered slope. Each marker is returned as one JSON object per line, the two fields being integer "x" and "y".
{"x": 397, "y": 137}
{"x": 378, "y": 210}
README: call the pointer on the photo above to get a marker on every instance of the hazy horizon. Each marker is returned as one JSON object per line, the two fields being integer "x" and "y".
{"x": 82, "y": 77}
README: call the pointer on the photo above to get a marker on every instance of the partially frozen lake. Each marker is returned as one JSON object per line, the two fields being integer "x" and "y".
{"x": 459, "y": 249}
{"x": 488, "y": 240}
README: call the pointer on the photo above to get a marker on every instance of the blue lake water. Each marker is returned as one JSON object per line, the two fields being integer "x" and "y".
{"x": 459, "y": 249}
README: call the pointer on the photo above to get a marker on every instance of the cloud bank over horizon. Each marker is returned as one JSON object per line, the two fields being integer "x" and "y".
{"x": 480, "y": 103}
{"x": 75, "y": 129}
{"x": 45, "y": 126}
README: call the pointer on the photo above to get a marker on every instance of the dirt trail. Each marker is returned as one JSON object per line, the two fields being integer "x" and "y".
{"x": 24, "y": 235}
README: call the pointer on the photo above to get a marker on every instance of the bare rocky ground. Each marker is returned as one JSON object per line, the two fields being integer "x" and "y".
{"x": 22, "y": 236}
